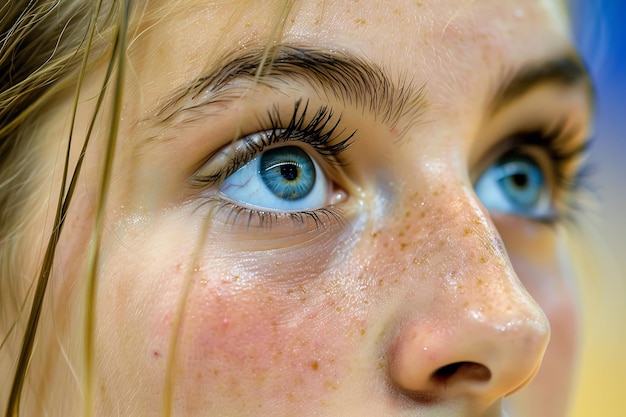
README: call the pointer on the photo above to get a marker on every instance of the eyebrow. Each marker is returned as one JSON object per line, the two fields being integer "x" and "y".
{"x": 566, "y": 70}
{"x": 351, "y": 79}
{"x": 346, "y": 77}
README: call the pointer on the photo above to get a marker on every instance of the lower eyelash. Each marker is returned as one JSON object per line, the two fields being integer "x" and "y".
{"x": 235, "y": 215}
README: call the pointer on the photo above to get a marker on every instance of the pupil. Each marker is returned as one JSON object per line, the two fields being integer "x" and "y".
{"x": 289, "y": 172}
{"x": 520, "y": 180}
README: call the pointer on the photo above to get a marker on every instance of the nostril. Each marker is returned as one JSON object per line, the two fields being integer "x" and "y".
{"x": 461, "y": 371}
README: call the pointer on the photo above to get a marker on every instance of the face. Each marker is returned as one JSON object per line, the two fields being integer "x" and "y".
{"x": 370, "y": 227}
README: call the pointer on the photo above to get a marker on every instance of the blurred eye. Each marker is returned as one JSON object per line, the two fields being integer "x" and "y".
{"x": 281, "y": 179}
{"x": 516, "y": 184}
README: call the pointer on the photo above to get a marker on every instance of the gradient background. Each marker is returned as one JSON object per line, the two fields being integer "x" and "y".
{"x": 601, "y": 37}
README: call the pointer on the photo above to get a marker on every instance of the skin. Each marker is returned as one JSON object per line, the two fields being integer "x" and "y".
{"x": 361, "y": 317}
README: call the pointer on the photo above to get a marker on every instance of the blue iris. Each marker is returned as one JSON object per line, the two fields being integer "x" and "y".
{"x": 515, "y": 184}
{"x": 288, "y": 172}
{"x": 284, "y": 179}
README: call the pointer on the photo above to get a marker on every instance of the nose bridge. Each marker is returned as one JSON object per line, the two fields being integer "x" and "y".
{"x": 455, "y": 244}
{"x": 475, "y": 330}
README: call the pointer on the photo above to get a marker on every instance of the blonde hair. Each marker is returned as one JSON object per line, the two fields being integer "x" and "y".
{"x": 44, "y": 45}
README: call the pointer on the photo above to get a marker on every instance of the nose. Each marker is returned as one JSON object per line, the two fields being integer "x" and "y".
{"x": 479, "y": 335}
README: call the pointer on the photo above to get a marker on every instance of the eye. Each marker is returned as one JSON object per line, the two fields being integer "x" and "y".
{"x": 280, "y": 179}
{"x": 516, "y": 184}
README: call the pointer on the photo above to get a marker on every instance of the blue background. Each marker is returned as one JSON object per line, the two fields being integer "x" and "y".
{"x": 600, "y": 27}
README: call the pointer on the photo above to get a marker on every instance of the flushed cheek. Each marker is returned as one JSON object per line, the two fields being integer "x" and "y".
{"x": 266, "y": 328}
{"x": 248, "y": 347}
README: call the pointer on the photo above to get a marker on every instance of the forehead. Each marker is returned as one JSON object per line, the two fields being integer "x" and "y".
{"x": 436, "y": 41}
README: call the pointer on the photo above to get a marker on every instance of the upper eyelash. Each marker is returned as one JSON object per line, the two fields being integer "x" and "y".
{"x": 556, "y": 142}
{"x": 327, "y": 140}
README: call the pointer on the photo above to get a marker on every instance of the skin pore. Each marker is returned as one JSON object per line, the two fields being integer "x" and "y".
{"x": 399, "y": 291}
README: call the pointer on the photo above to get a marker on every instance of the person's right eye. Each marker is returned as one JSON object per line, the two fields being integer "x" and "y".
{"x": 290, "y": 170}
{"x": 279, "y": 179}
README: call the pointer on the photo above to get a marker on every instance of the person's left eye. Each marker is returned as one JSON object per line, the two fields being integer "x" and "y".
{"x": 279, "y": 179}
{"x": 516, "y": 184}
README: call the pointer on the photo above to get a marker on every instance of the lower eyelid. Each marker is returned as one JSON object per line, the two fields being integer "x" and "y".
{"x": 224, "y": 213}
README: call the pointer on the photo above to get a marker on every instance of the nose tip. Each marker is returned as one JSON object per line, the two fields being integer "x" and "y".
{"x": 476, "y": 355}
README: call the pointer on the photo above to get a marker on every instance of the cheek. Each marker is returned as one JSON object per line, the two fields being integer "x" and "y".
{"x": 244, "y": 329}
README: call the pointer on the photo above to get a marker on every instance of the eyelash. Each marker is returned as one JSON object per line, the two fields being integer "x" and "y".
{"x": 556, "y": 142}
{"x": 326, "y": 140}
{"x": 321, "y": 132}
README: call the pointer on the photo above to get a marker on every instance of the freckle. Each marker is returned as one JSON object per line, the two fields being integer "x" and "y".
{"x": 315, "y": 366}
{"x": 327, "y": 385}
{"x": 442, "y": 243}
{"x": 381, "y": 282}
{"x": 483, "y": 260}
{"x": 400, "y": 234}
{"x": 362, "y": 332}
{"x": 436, "y": 193}
{"x": 407, "y": 214}
{"x": 247, "y": 25}
{"x": 386, "y": 244}
{"x": 292, "y": 20}
{"x": 374, "y": 235}
{"x": 467, "y": 231}
{"x": 403, "y": 246}
{"x": 338, "y": 309}
{"x": 465, "y": 304}
{"x": 479, "y": 281}
{"x": 422, "y": 214}
{"x": 366, "y": 302}
{"x": 396, "y": 11}
{"x": 179, "y": 266}
{"x": 360, "y": 21}
{"x": 395, "y": 281}
{"x": 381, "y": 365}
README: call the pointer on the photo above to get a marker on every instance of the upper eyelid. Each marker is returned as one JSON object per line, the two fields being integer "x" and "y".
{"x": 566, "y": 70}
{"x": 320, "y": 132}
